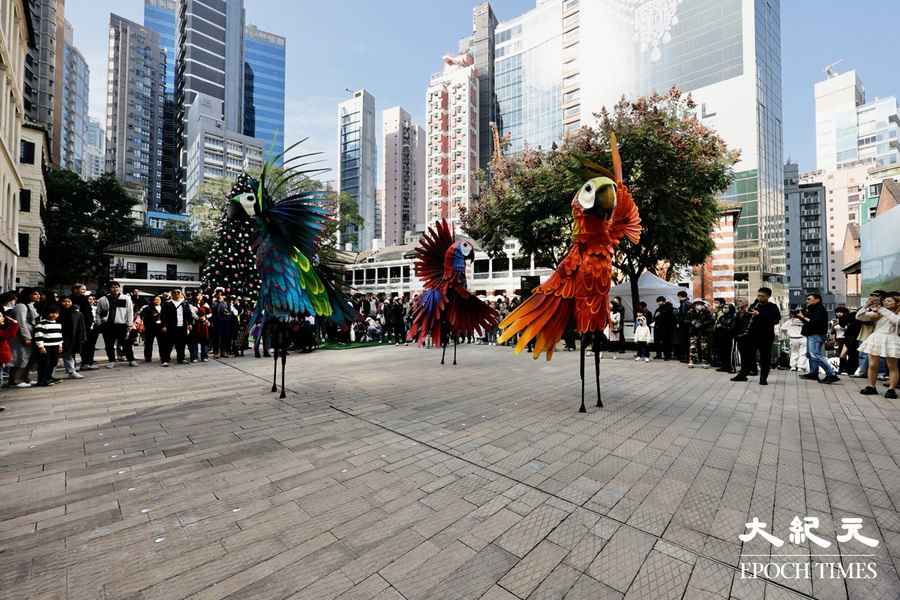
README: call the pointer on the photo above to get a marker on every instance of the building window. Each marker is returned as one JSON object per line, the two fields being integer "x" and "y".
{"x": 24, "y": 241}
{"x": 27, "y": 153}
{"x": 25, "y": 200}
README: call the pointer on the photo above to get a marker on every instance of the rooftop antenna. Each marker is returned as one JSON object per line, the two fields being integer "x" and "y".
{"x": 829, "y": 70}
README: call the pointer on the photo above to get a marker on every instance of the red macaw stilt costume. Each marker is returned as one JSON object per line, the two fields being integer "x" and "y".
{"x": 446, "y": 308}
{"x": 604, "y": 213}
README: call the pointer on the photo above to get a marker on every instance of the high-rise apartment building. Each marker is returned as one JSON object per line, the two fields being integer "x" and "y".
{"x": 404, "y": 175}
{"x": 806, "y": 244}
{"x": 452, "y": 135}
{"x": 849, "y": 129}
{"x": 94, "y": 163}
{"x": 482, "y": 45}
{"x": 214, "y": 151}
{"x": 17, "y": 40}
{"x": 264, "y": 69}
{"x": 209, "y": 60}
{"x": 528, "y": 78}
{"x": 358, "y": 160}
{"x": 727, "y": 53}
{"x": 160, "y": 16}
{"x": 42, "y": 90}
{"x": 135, "y": 80}
{"x": 74, "y": 116}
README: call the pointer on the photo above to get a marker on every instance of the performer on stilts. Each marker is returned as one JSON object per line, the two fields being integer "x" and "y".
{"x": 604, "y": 212}
{"x": 446, "y": 309}
{"x": 289, "y": 224}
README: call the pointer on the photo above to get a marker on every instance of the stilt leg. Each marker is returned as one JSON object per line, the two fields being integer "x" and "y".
{"x": 583, "y": 348}
{"x": 454, "y": 350}
{"x": 283, "y": 362}
{"x": 276, "y": 343}
{"x": 597, "y": 369}
{"x": 444, "y": 351}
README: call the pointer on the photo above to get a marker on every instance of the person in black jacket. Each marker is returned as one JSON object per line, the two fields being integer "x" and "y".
{"x": 83, "y": 302}
{"x": 815, "y": 319}
{"x": 151, "y": 316}
{"x": 760, "y": 336}
{"x": 724, "y": 335}
{"x": 177, "y": 319}
{"x": 663, "y": 328}
{"x": 74, "y": 335}
{"x": 683, "y": 326}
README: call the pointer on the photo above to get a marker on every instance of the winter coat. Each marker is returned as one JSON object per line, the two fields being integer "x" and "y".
{"x": 818, "y": 320}
{"x": 115, "y": 310}
{"x": 73, "y": 328}
{"x": 170, "y": 315}
{"x": 642, "y": 331}
{"x": 26, "y": 316}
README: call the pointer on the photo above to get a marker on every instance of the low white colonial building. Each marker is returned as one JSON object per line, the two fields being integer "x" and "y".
{"x": 152, "y": 264}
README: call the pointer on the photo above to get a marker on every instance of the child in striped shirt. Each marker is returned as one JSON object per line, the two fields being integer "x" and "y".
{"x": 48, "y": 338}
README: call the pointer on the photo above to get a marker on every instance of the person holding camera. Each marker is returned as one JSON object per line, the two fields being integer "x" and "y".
{"x": 815, "y": 326}
{"x": 883, "y": 341}
{"x": 759, "y": 337}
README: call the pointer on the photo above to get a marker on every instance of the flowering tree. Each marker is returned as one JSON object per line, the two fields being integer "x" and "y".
{"x": 674, "y": 166}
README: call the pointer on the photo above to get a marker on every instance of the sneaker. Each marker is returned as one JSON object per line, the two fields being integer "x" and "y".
{"x": 204, "y": 360}
{"x": 831, "y": 379}
{"x": 76, "y": 376}
{"x": 90, "y": 367}
{"x": 41, "y": 384}
{"x": 111, "y": 365}
{"x": 868, "y": 391}
{"x": 132, "y": 363}
{"x": 891, "y": 393}
{"x": 810, "y": 376}
{"x": 646, "y": 359}
{"x": 739, "y": 377}
{"x": 23, "y": 385}
{"x": 637, "y": 358}
{"x": 165, "y": 364}
{"x": 763, "y": 382}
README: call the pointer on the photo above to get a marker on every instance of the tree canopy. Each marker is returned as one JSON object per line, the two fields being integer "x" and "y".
{"x": 674, "y": 166}
{"x": 83, "y": 219}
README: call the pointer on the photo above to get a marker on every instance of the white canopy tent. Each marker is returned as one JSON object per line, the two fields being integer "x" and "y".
{"x": 650, "y": 287}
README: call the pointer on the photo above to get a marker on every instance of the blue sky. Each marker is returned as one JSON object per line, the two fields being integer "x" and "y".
{"x": 391, "y": 47}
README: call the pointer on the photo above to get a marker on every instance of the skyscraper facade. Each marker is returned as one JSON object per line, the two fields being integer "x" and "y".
{"x": 264, "y": 68}
{"x": 806, "y": 242}
{"x": 160, "y": 16}
{"x": 94, "y": 163}
{"x": 357, "y": 160}
{"x": 528, "y": 78}
{"x": 482, "y": 45}
{"x": 404, "y": 175}
{"x": 75, "y": 89}
{"x": 209, "y": 58}
{"x": 42, "y": 90}
{"x": 135, "y": 80}
{"x": 452, "y": 139}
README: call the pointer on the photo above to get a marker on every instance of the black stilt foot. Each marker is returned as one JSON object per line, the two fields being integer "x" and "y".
{"x": 597, "y": 370}
{"x": 581, "y": 371}
{"x": 454, "y": 351}
{"x": 443, "y": 353}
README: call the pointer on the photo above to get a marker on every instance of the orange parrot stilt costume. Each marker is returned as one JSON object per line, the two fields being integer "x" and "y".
{"x": 604, "y": 213}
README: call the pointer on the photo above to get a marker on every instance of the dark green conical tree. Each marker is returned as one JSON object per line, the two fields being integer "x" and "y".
{"x": 231, "y": 262}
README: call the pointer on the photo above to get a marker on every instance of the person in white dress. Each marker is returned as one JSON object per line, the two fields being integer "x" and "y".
{"x": 884, "y": 341}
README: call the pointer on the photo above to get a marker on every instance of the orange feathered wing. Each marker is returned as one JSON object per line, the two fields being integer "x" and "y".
{"x": 579, "y": 286}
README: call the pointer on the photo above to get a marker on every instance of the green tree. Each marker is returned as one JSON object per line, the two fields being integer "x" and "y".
{"x": 83, "y": 219}
{"x": 675, "y": 168}
{"x": 350, "y": 221}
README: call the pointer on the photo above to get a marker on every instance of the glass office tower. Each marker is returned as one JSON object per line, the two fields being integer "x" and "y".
{"x": 264, "y": 68}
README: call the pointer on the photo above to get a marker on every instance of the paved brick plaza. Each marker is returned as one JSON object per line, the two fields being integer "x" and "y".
{"x": 384, "y": 475}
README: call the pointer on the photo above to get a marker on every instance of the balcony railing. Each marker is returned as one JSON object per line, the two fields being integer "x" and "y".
{"x": 125, "y": 273}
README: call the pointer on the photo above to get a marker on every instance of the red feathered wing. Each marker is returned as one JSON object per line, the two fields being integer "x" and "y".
{"x": 429, "y": 265}
{"x": 580, "y": 286}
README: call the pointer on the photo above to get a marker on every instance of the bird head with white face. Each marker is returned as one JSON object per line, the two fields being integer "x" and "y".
{"x": 597, "y": 197}
{"x": 242, "y": 197}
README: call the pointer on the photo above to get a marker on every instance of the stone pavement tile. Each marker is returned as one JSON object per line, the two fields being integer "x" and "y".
{"x": 366, "y": 590}
{"x": 498, "y": 593}
{"x": 661, "y": 577}
{"x": 476, "y": 576}
{"x": 621, "y": 558}
{"x": 578, "y": 524}
{"x": 556, "y": 584}
{"x": 523, "y": 578}
{"x": 587, "y": 588}
{"x": 712, "y": 577}
{"x": 326, "y": 588}
{"x": 416, "y": 585}
{"x": 675, "y": 552}
{"x": 527, "y": 533}
{"x": 443, "y": 518}
{"x": 409, "y": 561}
{"x": 486, "y": 532}
{"x": 377, "y": 557}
